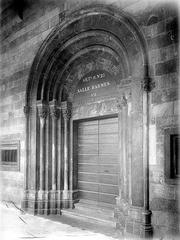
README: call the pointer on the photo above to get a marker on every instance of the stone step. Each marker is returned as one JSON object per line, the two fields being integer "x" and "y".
{"x": 92, "y": 213}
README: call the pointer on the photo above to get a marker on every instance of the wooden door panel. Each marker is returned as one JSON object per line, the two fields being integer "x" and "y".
{"x": 108, "y": 159}
{"x": 88, "y": 139}
{"x": 88, "y": 130}
{"x": 108, "y": 138}
{"x": 94, "y": 196}
{"x": 108, "y": 128}
{"x": 108, "y": 121}
{"x": 88, "y": 158}
{"x": 88, "y": 149}
{"x": 88, "y": 177}
{"x": 108, "y": 149}
{"x": 110, "y": 189}
{"x": 88, "y": 123}
{"x": 108, "y": 179}
{"x": 96, "y": 187}
{"x": 107, "y": 198}
{"x": 89, "y": 168}
{"x": 101, "y": 178}
{"x": 98, "y": 160}
{"x": 89, "y": 186}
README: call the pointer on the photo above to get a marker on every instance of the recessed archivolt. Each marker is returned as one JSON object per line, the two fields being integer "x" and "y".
{"x": 72, "y": 47}
{"x": 89, "y": 59}
{"x": 114, "y": 22}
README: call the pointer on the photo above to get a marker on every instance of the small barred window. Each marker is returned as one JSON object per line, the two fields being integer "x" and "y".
{"x": 9, "y": 156}
{"x": 171, "y": 154}
{"x": 174, "y": 158}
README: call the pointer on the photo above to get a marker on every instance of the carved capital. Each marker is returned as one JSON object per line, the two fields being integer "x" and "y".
{"x": 55, "y": 113}
{"x": 66, "y": 114}
{"x": 43, "y": 111}
{"x": 121, "y": 102}
{"x": 66, "y": 110}
{"x": 27, "y": 110}
{"x": 148, "y": 84}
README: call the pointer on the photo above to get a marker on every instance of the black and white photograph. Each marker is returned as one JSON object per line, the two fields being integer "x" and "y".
{"x": 89, "y": 119}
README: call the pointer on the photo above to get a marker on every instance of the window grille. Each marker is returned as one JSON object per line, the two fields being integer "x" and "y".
{"x": 171, "y": 155}
{"x": 174, "y": 156}
{"x": 9, "y": 155}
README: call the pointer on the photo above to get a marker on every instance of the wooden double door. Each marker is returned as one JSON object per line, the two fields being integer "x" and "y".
{"x": 98, "y": 155}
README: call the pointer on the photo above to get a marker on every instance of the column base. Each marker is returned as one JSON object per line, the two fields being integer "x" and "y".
{"x": 29, "y": 202}
{"x": 48, "y": 202}
{"x": 132, "y": 220}
{"x": 66, "y": 199}
{"x": 147, "y": 229}
{"x": 53, "y": 202}
{"x": 69, "y": 197}
{"x": 42, "y": 202}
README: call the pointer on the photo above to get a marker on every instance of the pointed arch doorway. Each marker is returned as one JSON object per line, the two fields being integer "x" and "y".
{"x": 87, "y": 69}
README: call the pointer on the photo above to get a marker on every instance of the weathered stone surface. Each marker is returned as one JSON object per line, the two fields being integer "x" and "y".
{"x": 171, "y": 120}
{"x": 166, "y": 67}
{"x": 154, "y": 29}
{"x": 162, "y": 204}
{"x": 167, "y": 81}
{"x": 176, "y": 107}
{"x": 164, "y": 53}
{"x": 11, "y": 186}
{"x": 10, "y": 81}
{"x": 160, "y": 41}
{"x": 165, "y": 219}
{"x": 163, "y": 109}
{"x": 164, "y": 95}
{"x": 163, "y": 191}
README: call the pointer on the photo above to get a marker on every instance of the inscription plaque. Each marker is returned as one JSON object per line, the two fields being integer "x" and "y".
{"x": 95, "y": 86}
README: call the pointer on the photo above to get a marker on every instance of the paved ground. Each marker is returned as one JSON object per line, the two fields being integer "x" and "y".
{"x": 15, "y": 224}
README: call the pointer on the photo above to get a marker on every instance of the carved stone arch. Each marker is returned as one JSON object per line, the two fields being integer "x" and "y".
{"x": 50, "y": 91}
{"x": 51, "y": 43}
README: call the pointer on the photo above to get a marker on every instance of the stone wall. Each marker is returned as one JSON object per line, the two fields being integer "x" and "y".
{"x": 20, "y": 40}
{"x": 162, "y": 36}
